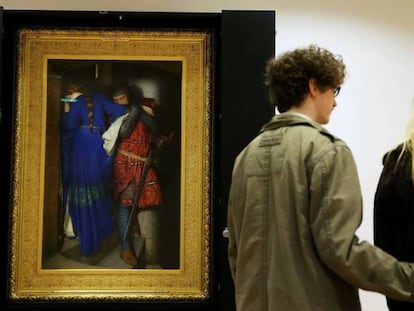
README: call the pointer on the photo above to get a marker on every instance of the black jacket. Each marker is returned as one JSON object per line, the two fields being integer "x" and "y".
{"x": 394, "y": 212}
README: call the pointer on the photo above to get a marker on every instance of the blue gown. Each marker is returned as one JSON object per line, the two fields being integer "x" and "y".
{"x": 84, "y": 170}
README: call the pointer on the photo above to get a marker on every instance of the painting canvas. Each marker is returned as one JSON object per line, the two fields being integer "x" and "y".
{"x": 172, "y": 70}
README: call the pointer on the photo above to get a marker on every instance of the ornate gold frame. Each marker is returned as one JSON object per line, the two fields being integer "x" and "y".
{"x": 28, "y": 280}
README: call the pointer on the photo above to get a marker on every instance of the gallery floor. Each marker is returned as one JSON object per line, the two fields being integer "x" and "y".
{"x": 70, "y": 257}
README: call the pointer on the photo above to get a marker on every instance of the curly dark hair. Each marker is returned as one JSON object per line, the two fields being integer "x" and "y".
{"x": 288, "y": 75}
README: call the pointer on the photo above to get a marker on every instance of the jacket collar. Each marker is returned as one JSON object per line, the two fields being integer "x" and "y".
{"x": 292, "y": 119}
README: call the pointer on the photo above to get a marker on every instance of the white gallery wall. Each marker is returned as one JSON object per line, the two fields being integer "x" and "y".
{"x": 376, "y": 40}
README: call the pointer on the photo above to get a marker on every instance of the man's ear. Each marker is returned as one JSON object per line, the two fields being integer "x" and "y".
{"x": 313, "y": 87}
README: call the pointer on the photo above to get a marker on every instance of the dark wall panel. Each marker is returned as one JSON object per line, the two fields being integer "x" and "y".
{"x": 248, "y": 42}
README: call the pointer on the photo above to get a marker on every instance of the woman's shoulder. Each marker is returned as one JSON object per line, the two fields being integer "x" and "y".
{"x": 393, "y": 153}
{"x": 397, "y": 159}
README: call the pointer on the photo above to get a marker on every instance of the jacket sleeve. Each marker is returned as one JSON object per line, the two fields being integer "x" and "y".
{"x": 232, "y": 245}
{"x": 336, "y": 214}
{"x": 235, "y": 215}
{"x": 231, "y": 248}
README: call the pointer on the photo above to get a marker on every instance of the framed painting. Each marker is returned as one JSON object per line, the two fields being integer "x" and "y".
{"x": 61, "y": 253}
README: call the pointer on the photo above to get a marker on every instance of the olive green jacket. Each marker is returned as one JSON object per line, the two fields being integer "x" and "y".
{"x": 295, "y": 204}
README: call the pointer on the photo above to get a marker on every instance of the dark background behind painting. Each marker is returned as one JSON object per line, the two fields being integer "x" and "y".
{"x": 242, "y": 43}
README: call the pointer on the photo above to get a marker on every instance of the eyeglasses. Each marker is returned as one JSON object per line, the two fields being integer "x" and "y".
{"x": 336, "y": 91}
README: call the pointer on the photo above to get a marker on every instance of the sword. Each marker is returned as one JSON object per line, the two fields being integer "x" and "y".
{"x": 150, "y": 160}
{"x": 141, "y": 184}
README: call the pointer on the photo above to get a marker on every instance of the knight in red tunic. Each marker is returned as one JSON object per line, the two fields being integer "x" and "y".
{"x": 136, "y": 138}
{"x": 129, "y": 161}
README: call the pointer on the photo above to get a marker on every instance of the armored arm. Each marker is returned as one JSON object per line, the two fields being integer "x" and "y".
{"x": 131, "y": 120}
{"x": 151, "y": 122}
{"x": 136, "y": 114}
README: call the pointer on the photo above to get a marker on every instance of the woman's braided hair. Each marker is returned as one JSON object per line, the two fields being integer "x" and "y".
{"x": 74, "y": 87}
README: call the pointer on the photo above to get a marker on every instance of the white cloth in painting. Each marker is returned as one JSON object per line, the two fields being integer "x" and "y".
{"x": 111, "y": 134}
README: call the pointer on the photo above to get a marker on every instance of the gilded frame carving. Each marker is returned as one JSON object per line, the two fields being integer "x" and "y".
{"x": 29, "y": 280}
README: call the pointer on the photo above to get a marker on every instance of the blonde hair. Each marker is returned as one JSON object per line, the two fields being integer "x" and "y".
{"x": 408, "y": 144}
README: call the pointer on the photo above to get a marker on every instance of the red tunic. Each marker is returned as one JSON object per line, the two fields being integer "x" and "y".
{"x": 128, "y": 165}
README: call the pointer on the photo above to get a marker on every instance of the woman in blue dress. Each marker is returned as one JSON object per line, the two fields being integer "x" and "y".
{"x": 85, "y": 193}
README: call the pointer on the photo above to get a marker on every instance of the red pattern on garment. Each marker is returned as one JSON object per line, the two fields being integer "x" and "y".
{"x": 127, "y": 169}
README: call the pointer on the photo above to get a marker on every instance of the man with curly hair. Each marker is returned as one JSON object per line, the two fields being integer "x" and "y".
{"x": 295, "y": 203}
